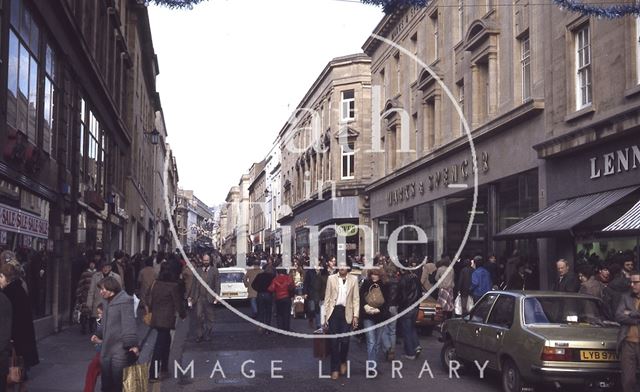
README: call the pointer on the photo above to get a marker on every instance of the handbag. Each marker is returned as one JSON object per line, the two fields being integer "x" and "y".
{"x": 374, "y": 297}
{"x": 16, "y": 369}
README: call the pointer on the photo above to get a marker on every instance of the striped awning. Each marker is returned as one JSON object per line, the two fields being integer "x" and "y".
{"x": 629, "y": 221}
{"x": 563, "y": 215}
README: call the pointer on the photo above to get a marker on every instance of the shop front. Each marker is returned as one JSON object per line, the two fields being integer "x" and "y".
{"x": 593, "y": 205}
{"x": 25, "y": 229}
{"x": 435, "y": 196}
{"x": 322, "y": 224}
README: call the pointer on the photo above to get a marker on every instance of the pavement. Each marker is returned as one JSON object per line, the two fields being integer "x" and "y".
{"x": 218, "y": 364}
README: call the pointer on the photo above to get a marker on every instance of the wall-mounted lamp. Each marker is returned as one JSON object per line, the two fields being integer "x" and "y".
{"x": 154, "y": 136}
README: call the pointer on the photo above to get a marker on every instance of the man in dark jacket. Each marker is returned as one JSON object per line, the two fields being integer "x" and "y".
{"x": 125, "y": 270}
{"x": 265, "y": 299}
{"x": 567, "y": 281}
{"x": 628, "y": 316}
{"x": 5, "y": 338}
{"x": 410, "y": 291}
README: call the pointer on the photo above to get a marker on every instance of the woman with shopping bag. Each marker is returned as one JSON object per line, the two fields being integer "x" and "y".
{"x": 373, "y": 310}
{"x": 119, "y": 338}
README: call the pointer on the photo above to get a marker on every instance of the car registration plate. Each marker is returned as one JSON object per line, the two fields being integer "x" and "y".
{"x": 597, "y": 355}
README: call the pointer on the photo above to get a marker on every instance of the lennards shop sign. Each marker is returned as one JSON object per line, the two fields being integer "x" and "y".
{"x": 18, "y": 221}
{"x": 615, "y": 162}
{"x": 455, "y": 176}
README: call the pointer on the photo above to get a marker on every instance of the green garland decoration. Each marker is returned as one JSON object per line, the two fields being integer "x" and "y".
{"x": 175, "y": 4}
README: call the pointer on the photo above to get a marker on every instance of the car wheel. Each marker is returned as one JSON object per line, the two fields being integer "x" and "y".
{"x": 447, "y": 354}
{"x": 511, "y": 378}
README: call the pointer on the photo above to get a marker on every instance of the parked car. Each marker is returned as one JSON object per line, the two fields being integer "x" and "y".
{"x": 429, "y": 315}
{"x": 536, "y": 338}
{"x": 232, "y": 283}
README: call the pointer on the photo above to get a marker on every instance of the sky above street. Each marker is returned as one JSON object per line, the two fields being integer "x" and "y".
{"x": 232, "y": 71}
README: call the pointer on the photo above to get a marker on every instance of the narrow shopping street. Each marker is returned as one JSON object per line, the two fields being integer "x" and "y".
{"x": 66, "y": 355}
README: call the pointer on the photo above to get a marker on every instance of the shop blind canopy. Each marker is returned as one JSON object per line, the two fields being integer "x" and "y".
{"x": 629, "y": 221}
{"x": 564, "y": 215}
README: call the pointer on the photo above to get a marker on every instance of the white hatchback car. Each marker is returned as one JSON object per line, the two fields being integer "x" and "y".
{"x": 232, "y": 283}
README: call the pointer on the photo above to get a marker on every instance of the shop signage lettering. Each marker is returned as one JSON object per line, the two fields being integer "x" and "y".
{"x": 441, "y": 178}
{"x": 347, "y": 229}
{"x": 615, "y": 162}
{"x": 404, "y": 22}
{"x": 18, "y": 221}
{"x": 302, "y": 223}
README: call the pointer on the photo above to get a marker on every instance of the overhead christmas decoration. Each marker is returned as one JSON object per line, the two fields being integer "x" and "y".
{"x": 388, "y": 6}
{"x": 600, "y": 10}
{"x": 175, "y": 4}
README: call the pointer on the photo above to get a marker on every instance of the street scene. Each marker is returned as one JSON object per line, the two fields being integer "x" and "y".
{"x": 325, "y": 195}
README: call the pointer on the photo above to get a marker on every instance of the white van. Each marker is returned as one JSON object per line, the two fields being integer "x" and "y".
{"x": 232, "y": 283}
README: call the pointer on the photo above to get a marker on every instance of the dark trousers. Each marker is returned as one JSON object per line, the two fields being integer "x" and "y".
{"x": 409, "y": 332}
{"x": 93, "y": 371}
{"x": 111, "y": 371}
{"x": 160, "y": 358}
{"x": 283, "y": 314}
{"x": 629, "y": 361}
{"x": 339, "y": 346}
{"x": 265, "y": 307}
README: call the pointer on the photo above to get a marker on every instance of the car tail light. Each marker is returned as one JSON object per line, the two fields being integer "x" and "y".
{"x": 439, "y": 316}
{"x": 557, "y": 354}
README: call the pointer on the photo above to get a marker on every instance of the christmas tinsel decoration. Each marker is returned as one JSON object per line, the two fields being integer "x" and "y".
{"x": 175, "y": 4}
{"x": 388, "y": 6}
{"x": 600, "y": 10}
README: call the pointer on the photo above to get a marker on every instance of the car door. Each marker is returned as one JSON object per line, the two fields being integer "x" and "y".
{"x": 498, "y": 325}
{"x": 468, "y": 344}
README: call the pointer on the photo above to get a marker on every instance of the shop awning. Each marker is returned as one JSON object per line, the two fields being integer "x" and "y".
{"x": 628, "y": 222}
{"x": 564, "y": 215}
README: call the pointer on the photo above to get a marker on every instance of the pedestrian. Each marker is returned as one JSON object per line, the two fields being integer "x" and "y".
{"x": 589, "y": 284}
{"x": 119, "y": 338}
{"x": 164, "y": 301}
{"x": 428, "y": 276}
{"x": 82, "y": 293}
{"x": 464, "y": 284}
{"x": 6, "y": 322}
{"x": 283, "y": 289}
{"x": 125, "y": 270}
{"x": 93, "y": 370}
{"x": 480, "y": 279}
{"x": 410, "y": 293}
{"x": 392, "y": 301}
{"x": 342, "y": 309}
{"x": 373, "y": 310}
{"x": 628, "y": 315}
{"x": 22, "y": 331}
{"x": 521, "y": 279}
{"x": 315, "y": 284}
{"x": 445, "y": 294}
{"x": 94, "y": 297}
{"x": 146, "y": 277}
{"x": 252, "y": 294}
{"x": 264, "y": 297}
{"x": 203, "y": 300}
{"x": 567, "y": 281}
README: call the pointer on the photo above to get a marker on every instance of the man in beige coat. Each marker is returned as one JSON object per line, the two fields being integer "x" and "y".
{"x": 342, "y": 309}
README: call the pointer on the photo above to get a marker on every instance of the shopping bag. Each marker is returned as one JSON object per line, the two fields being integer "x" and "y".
{"x": 321, "y": 346}
{"x": 135, "y": 378}
{"x": 457, "y": 306}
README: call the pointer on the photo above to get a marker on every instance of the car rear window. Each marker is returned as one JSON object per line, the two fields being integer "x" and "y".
{"x": 564, "y": 310}
{"x": 231, "y": 277}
